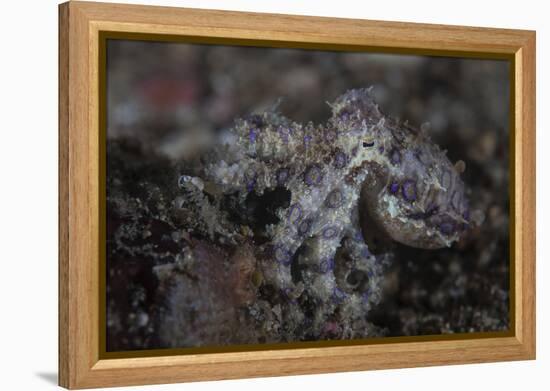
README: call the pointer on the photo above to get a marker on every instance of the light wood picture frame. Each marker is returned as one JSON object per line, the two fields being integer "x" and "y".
{"x": 82, "y": 27}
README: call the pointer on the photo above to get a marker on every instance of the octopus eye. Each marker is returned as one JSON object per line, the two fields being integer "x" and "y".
{"x": 409, "y": 190}
{"x": 368, "y": 143}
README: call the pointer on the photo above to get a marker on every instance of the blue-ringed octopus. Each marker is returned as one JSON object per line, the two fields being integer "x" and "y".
{"x": 360, "y": 173}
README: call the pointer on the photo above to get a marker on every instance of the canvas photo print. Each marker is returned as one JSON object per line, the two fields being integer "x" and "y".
{"x": 265, "y": 196}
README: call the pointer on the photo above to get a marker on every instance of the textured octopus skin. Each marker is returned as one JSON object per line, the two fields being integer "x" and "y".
{"x": 412, "y": 192}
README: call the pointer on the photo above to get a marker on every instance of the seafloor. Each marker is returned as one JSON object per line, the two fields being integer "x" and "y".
{"x": 166, "y": 105}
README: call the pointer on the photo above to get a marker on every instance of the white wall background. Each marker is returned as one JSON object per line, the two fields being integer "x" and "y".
{"x": 28, "y": 194}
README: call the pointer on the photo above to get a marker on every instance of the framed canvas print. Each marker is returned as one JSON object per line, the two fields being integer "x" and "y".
{"x": 247, "y": 195}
